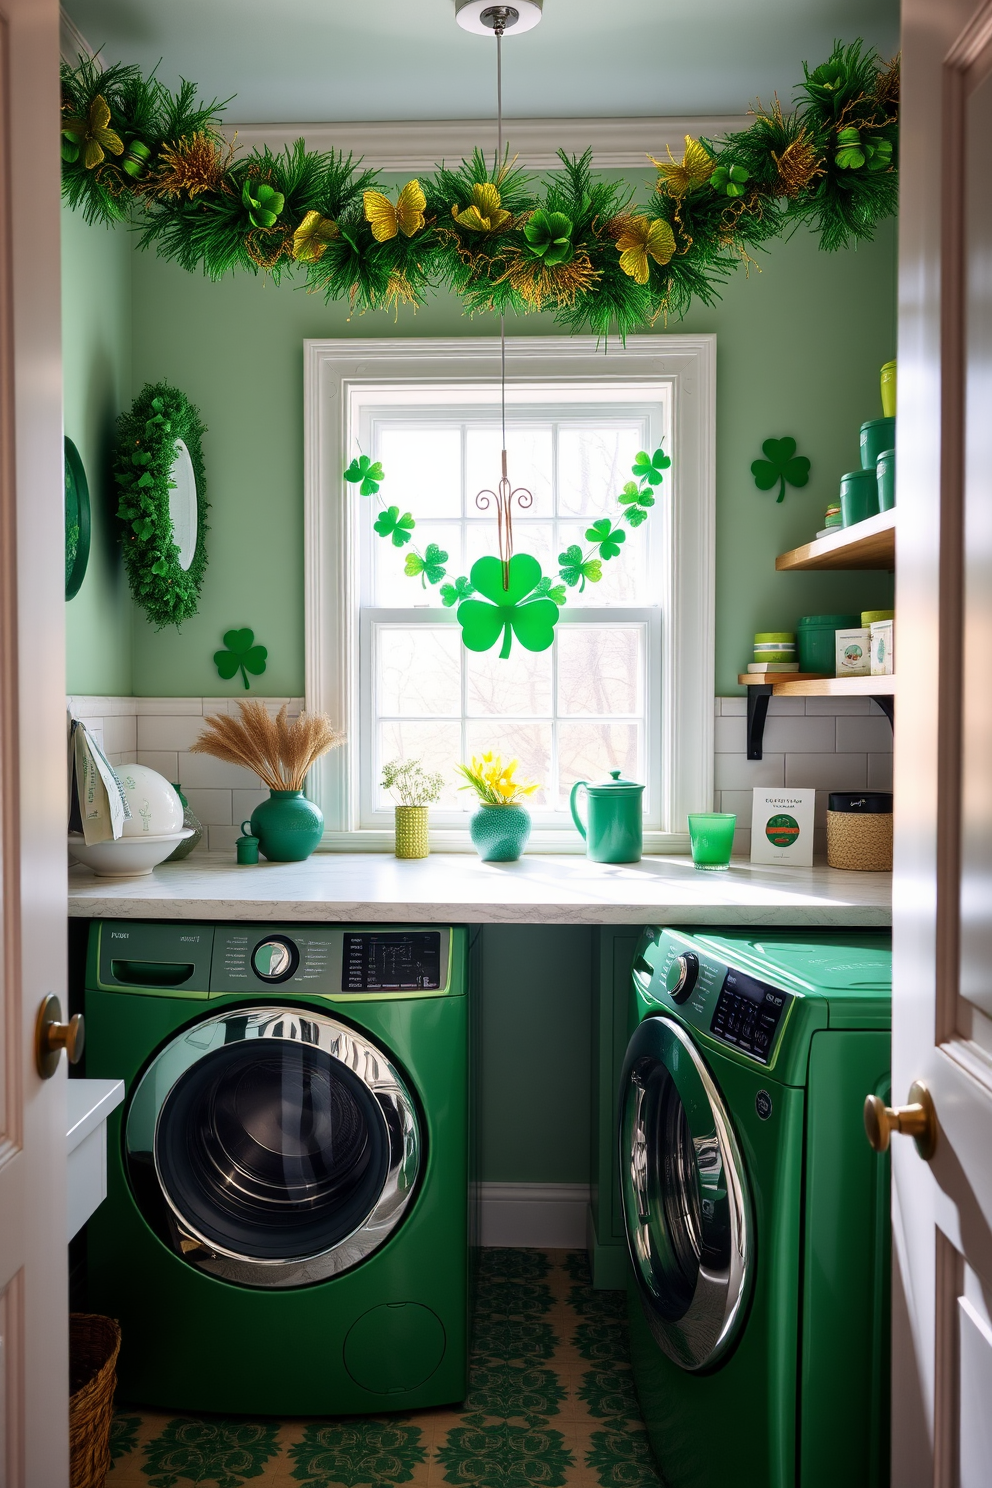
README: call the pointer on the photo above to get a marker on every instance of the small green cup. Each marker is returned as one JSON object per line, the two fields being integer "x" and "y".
{"x": 711, "y": 834}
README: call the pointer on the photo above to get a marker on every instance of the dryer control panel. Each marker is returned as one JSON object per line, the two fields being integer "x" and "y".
{"x": 748, "y": 1014}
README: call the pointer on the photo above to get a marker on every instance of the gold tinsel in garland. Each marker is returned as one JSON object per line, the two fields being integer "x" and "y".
{"x": 191, "y": 165}
{"x": 798, "y": 167}
{"x": 538, "y": 283}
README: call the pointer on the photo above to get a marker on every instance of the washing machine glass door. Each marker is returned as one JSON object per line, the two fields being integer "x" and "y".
{"x": 685, "y": 1204}
{"x": 273, "y": 1147}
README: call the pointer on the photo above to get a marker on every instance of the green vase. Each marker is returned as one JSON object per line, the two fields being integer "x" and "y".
{"x": 500, "y": 833}
{"x": 189, "y": 820}
{"x": 288, "y": 826}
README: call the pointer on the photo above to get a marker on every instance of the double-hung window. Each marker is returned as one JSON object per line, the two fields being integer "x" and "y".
{"x": 627, "y": 684}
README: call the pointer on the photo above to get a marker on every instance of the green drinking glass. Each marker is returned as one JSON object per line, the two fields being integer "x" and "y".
{"x": 711, "y": 834}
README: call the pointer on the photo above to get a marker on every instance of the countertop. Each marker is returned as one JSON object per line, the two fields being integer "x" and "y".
{"x": 455, "y": 888}
{"x": 88, "y": 1103}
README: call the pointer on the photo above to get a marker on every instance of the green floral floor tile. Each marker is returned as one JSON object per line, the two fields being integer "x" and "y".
{"x": 357, "y": 1454}
{"x": 551, "y": 1404}
{"x": 216, "y": 1452}
{"x": 506, "y": 1457}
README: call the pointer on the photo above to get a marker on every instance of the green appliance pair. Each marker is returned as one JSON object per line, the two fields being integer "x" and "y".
{"x": 286, "y": 1227}
{"x": 756, "y": 1215}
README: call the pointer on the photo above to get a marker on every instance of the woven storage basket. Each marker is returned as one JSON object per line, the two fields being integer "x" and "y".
{"x": 94, "y": 1343}
{"x": 411, "y": 832}
{"x": 860, "y": 840}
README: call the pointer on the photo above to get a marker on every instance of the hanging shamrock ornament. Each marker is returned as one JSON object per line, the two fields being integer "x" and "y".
{"x": 508, "y": 609}
{"x": 782, "y": 464}
{"x": 430, "y": 568}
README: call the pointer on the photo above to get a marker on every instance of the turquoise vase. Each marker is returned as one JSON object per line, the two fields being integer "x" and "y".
{"x": 288, "y": 826}
{"x": 500, "y": 833}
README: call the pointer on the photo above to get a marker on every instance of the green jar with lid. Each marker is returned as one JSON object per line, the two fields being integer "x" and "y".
{"x": 615, "y": 830}
{"x": 815, "y": 641}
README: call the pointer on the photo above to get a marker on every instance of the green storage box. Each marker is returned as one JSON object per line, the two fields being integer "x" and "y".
{"x": 815, "y": 640}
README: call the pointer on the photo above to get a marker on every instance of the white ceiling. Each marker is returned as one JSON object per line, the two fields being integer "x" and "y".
{"x": 304, "y": 60}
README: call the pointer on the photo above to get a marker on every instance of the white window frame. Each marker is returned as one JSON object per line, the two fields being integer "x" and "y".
{"x": 334, "y": 371}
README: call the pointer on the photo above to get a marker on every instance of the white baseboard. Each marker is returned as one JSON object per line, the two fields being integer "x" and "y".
{"x": 546, "y": 1215}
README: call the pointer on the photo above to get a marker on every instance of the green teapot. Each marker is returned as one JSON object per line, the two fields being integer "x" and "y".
{"x": 615, "y": 831}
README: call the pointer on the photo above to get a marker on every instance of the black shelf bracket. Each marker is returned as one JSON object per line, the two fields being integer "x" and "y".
{"x": 887, "y": 703}
{"x": 757, "y": 711}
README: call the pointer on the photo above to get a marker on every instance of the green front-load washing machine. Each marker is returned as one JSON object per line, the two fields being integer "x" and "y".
{"x": 286, "y": 1224}
{"x": 756, "y": 1214}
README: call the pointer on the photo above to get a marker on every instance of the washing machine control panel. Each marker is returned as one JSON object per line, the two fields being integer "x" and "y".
{"x": 748, "y": 1014}
{"x": 275, "y": 958}
{"x": 392, "y": 961}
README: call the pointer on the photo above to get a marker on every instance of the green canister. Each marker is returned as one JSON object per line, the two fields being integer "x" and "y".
{"x": 615, "y": 829}
{"x": 815, "y": 641}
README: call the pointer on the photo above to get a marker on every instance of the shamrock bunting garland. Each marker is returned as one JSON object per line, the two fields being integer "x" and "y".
{"x": 782, "y": 464}
{"x": 534, "y": 629}
{"x": 503, "y": 240}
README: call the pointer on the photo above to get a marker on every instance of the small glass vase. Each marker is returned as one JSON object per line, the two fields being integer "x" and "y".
{"x": 189, "y": 820}
{"x": 412, "y": 839}
{"x": 288, "y": 826}
{"x": 500, "y": 833}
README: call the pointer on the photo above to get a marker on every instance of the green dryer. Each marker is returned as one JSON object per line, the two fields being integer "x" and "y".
{"x": 756, "y": 1215}
{"x": 286, "y": 1224}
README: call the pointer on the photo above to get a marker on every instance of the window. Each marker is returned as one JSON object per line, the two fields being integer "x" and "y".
{"x": 627, "y": 684}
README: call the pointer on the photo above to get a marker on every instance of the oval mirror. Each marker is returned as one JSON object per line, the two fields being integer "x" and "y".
{"x": 182, "y": 505}
{"x": 77, "y": 520}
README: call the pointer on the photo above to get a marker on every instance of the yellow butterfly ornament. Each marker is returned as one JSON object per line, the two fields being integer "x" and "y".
{"x": 406, "y": 217}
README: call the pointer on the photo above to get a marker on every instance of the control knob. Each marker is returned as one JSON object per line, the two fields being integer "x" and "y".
{"x": 682, "y": 975}
{"x": 275, "y": 958}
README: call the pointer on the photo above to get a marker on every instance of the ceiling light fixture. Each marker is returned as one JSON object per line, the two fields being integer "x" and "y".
{"x": 486, "y": 19}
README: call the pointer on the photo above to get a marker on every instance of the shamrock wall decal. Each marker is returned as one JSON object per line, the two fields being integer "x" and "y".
{"x": 781, "y": 464}
{"x": 430, "y": 567}
{"x": 241, "y": 655}
{"x": 517, "y": 611}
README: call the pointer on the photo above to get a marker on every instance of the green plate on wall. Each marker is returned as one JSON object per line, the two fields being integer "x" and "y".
{"x": 77, "y": 520}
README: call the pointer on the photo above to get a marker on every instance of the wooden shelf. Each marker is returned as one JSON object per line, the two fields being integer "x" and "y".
{"x": 837, "y": 687}
{"x": 868, "y": 544}
{"x": 773, "y": 679}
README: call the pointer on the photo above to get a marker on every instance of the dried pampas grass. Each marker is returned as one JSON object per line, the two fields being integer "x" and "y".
{"x": 280, "y": 751}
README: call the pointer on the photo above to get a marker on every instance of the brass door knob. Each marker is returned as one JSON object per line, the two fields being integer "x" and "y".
{"x": 918, "y": 1120}
{"x": 52, "y": 1036}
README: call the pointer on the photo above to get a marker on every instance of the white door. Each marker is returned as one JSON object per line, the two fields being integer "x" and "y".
{"x": 942, "y": 943}
{"x": 33, "y": 1301}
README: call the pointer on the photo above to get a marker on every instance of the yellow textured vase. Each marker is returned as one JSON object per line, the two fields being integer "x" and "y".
{"x": 411, "y": 832}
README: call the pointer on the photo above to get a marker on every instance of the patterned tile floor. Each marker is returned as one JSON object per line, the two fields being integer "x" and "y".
{"x": 551, "y": 1404}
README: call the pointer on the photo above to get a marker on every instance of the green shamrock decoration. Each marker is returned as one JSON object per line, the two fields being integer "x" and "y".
{"x": 430, "y": 567}
{"x": 547, "y": 587}
{"x": 242, "y": 655}
{"x": 368, "y": 473}
{"x": 781, "y": 464}
{"x": 390, "y": 524}
{"x": 636, "y": 499}
{"x": 549, "y": 236}
{"x": 607, "y": 536}
{"x": 264, "y": 203}
{"x": 452, "y": 594}
{"x": 651, "y": 468}
{"x": 730, "y": 180}
{"x": 574, "y": 571}
{"x": 510, "y": 612}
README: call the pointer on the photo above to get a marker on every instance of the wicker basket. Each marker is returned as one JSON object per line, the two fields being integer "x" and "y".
{"x": 411, "y": 832}
{"x": 94, "y": 1343}
{"x": 860, "y": 840}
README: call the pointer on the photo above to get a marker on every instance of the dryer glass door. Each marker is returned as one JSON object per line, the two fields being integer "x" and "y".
{"x": 273, "y": 1147}
{"x": 685, "y": 1204}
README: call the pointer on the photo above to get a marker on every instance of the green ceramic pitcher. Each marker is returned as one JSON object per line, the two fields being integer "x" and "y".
{"x": 615, "y": 830}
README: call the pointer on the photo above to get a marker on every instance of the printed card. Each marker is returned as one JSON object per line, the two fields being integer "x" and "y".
{"x": 782, "y": 826}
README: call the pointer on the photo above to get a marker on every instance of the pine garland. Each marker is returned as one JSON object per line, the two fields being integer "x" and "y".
{"x": 498, "y": 237}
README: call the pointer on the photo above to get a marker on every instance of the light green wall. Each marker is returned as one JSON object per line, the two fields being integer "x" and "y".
{"x": 96, "y": 362}
{"x": 800, "y": 342}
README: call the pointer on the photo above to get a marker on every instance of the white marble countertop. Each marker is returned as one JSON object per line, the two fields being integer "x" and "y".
{"x": 455, "y": 888}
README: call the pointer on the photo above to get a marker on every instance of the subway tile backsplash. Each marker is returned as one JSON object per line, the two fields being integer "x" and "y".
{"x": 830, "y": 743}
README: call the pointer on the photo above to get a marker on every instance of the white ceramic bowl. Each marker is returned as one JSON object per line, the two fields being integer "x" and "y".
{"x": 155, "y": 806}
{"x": 127, "y": 856}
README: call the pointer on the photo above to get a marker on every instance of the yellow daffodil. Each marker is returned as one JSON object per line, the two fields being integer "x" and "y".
{"x": 681, "y": 176}
{"x": 485, "y": 214}
{"x": 494, "y": 782}
{"x": 640, "y": 239}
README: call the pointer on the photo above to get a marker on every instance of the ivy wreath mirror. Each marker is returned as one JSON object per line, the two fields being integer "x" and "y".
{"x": 162, "y": 502}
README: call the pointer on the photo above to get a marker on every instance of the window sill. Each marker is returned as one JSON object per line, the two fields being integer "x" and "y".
{"x": 456, "y": 840}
